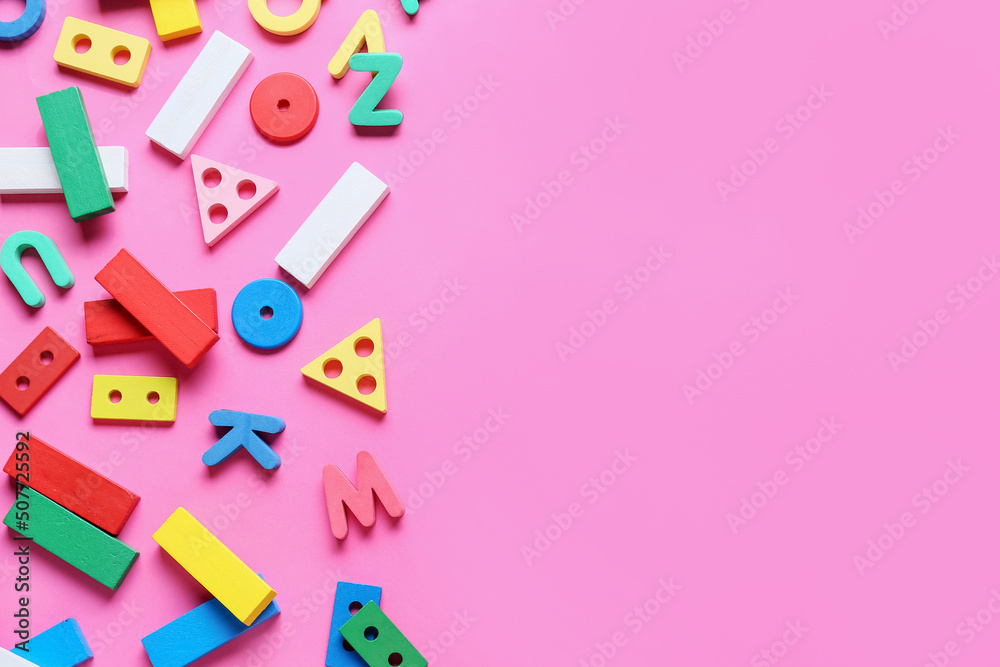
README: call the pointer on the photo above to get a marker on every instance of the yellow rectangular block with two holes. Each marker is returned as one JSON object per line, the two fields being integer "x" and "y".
{"x": 93, "y": 49}
{"x": 134, "y": 397}
{"x": 217, "y": 568}
{"x": 175, "y": 18}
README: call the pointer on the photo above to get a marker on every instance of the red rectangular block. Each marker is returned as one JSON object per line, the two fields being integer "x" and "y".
{"x": 108, "y": 323}
{"x": 157, "y": 309}
{"x": 84, "y": 492}
{"x": 36, "y": 370}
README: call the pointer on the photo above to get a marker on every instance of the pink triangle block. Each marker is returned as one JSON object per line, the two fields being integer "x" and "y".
{"x": 224, "y": 198}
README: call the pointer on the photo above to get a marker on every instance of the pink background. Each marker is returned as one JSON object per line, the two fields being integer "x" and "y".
{"x": 528, "y": 293}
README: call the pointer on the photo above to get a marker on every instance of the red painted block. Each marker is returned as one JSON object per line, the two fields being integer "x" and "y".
{"x": 84, "y": 492}
{"x": 36, "y": 370}
{"x": 109, "y": 323}
{"x": 157, "y": 308}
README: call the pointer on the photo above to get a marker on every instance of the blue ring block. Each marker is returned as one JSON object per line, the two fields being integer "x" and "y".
{"x": 26, "y": 24}
{"x": 198, "y": 633}
{"x": 62, "y": 645}
{"x": 347, "y": 593}
{"x": 285, "y": 321}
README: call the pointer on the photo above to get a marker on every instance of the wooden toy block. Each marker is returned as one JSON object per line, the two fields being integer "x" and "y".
{"x": 81, "y": 173}
{"x": 108, "y": 323}
{"x": 386, "y": 67}
{"x": 9, "y": 659}
{"x": 197, "y": 633}
{"x": 242, "y": 434}
{"x": 267, "y": 314}
{"x": 378, "y": 641}
{"x": 36, "y": 370}
{"x": 157, "y": 308}
{"x": 81, "y": 544}
{"x": 293, "y": 24}
{"x": 332, "y": 224}
{"x": 343, "y": 369}
{"x": 175, "y": 18}
{"x": 217, "y": 569}
{"x": 284, "y": 107}
{"x": 366, "y": 32}
{"x": 348, "y": 600}
{"x": 83, "y": 491}
{"x": 26, "y": 24}
{"x": 411, "y": 6}
{"x": 199, "y": 95}
{"x": 32, "y": 171}
{"x": 10, "y": 263}
{"x": 102, "y": 51}
{"x": 226, "y": 196}
{"x": 62, "y": 645}
{"x": 360, "y": 499}
{"x": 134, "y": 398}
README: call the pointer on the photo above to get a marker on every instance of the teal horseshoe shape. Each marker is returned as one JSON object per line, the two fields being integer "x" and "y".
{"x": 10, "y": 263}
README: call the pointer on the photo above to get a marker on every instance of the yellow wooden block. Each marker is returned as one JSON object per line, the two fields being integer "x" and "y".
{"x": 129, "y": 397}
{"x": 296, "y": 22}
{"x": 175, "y": 18}
{"x": 217, "y": 568}
{"x": 93, "y": 49}
{"x": 342, "y": 368}
{"x": 366, "y": 32}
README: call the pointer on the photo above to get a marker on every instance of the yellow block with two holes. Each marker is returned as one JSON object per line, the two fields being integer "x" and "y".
{"x": 105, "y": 45}
{"x": 217, "y": 568}
{"x": 134, "y": 397}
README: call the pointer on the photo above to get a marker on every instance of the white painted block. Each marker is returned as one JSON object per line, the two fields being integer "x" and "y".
{"x": 9, "y": 659}
{"x": 31, "y": 171}
{"x": 199, "y": 95}
{"x": 332, "y": 224}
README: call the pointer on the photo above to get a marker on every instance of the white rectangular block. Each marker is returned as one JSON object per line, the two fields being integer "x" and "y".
{"x": 332, "y": 224}
{"x": 200, "y": 93}
{"x": 9, "y": 659}
{"x": 31, "y": 171}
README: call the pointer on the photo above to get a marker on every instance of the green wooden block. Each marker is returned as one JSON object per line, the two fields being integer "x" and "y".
{"x": 78, "y": 163}
{"x": 378, "y": 641}
{"x": 387, "y": 67}
{"x": 80, "y": 543}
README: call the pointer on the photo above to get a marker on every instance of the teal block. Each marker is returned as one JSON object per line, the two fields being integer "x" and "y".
{"x": 387, "y": 66}
{"x": 81, "y": 172}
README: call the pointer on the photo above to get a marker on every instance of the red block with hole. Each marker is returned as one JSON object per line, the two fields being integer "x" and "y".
{"x": 84, "y": 492}
{"x": 157, "y": 308}
{"x": 226, "y": 196}
{"x": 284, "y": 107}
{"x": 36, "y": 370}
{"x": 109, "y": 323}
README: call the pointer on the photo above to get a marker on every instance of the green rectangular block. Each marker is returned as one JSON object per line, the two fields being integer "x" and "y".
{"x": 81, "y": 172}
{"x": 385, "y": 645}
{"x": 78, "y": 542}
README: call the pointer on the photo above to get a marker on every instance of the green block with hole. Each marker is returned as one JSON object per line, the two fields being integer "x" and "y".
{"x": 78, "y": 542}
{"x": 378, "y": 641}
{"x": 81, "y": 172}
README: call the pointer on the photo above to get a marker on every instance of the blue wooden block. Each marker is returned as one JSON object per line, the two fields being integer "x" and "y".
{"x": 279, "y": 302}
{"x": 198, "y": 633}
{"x": 337, "y": 653}
{"x": 242, "y": 435}
{"x": 26, "y": 24}
{"x": 62, "y": 645}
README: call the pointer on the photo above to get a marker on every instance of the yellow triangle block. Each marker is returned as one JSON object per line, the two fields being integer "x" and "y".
{"x": 342, "y": 367}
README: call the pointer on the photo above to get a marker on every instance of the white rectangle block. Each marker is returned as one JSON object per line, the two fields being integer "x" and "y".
{"x": 32, "y": 171}
{"x": 200, "y": 93}
{"x": 332, "y": 224}
{"x": 9, "y": 659}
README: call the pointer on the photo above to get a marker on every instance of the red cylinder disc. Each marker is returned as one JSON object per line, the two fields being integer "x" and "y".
{"x": 284, "y": 107}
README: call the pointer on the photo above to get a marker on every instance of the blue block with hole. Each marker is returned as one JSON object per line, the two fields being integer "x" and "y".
{"x": 243, "y": 434}
{"x": 348, "y": 595}
{"x": 25, "y": 25}
{"x": 267, "y": 314}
